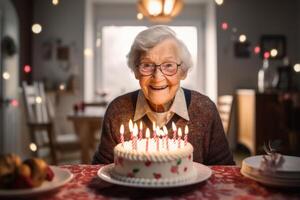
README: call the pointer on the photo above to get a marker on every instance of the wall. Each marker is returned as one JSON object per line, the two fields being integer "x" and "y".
{"x": 9, "y": 115}
{"x": 253, "y": 18}
{"x": 63, "y": 25}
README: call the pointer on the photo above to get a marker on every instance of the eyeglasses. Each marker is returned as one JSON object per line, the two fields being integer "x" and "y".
{"x": 167, "y": 68}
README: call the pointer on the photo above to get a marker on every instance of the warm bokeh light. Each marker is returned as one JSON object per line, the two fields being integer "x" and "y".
{"x": 88, "y": 52}
{"x": 38, "y": 99}
{"x": 27, "y": 69}
{"x": 33, "y": 147}
{"x": 242, "y": 38}
{"x": 257, "y": 50}
{"x": 62, "y": 86}
{"x": 297, "y": 67}
{"x": 224, "y": 26}
{"x": 274, "y": 52}
{"x": 266, "y": 55}
{"x": 14, "y": 102}
{"x": 36, "y": 28}
{"x": 139, "y": 16}
{"x": 219, "y": 2}
{"x": 55, "y": 2}
{"x": 6, "y": 75}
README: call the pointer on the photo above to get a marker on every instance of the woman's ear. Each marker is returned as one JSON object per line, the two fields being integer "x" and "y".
{"x": 183, "y": 74}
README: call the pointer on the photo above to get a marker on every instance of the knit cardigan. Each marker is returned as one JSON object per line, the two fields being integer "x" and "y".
{"x": 206, "y": 132}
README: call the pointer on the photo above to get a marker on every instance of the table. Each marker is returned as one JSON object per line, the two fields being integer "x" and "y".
{"x": 86, "y": 124}
{"x": 225, "y": 183}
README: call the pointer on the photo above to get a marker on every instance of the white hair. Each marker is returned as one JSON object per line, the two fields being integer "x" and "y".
{"x": 149, "y": 38}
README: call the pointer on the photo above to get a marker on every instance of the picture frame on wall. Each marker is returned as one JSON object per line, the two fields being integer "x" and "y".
{"x": 273, "y": 42}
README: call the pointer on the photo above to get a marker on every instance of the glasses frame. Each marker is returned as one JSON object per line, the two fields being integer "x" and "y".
{"x": 159, "y": 67}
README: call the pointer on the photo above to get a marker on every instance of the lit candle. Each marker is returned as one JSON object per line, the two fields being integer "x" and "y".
{"x": 174, "y": 131}
{"x": 166, "y": 137}
{"x": 134, "y": 137}
{"x": 122, "y": 134}
{"x": 130, "y": 128}
{"x": 154, "y": 130}
{"x": 141, "y": 130}
{"x": 157, "y": 138}
{"x": 147, "y": 139}
{"x": 179, "y": 136}
{"x": 162, "y": 135}
{"x": 186, "y": 131}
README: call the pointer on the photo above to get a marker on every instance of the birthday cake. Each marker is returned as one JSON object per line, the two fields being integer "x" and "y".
{"x": 158, "y": 160}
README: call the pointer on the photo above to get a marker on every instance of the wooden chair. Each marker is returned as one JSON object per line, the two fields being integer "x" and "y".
{"x": 40, "y": 123}
{"x": 224, "y": 105}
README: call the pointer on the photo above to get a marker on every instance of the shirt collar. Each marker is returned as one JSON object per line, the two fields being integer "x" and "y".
{"x": 179, "y": 106}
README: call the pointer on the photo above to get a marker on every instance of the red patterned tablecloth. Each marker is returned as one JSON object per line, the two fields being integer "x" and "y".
{"x": 225, "y": 183}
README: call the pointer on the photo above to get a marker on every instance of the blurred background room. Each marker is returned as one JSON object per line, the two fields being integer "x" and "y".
{"x": 63, "y": 61}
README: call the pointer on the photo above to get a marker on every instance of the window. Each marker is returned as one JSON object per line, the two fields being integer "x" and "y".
{"x": 114, "y": 77}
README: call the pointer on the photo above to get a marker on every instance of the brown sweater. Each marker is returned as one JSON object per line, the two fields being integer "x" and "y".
{"x": 206, "y": 132}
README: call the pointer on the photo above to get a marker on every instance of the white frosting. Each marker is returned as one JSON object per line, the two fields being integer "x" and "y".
{"x": 170, "y": 164}
{"x": 173, "y": 152}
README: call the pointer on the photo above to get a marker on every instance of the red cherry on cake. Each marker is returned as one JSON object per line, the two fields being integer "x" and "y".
{"x": 120, "y": 161}
{"x": 185, "y": 169}
{"x": 130, "y": 175}
{"x": 174, "y": 169}
{"x": 148, "y": 163}
{"x": 157, "y": 175}
{"x": 190, "y": 156}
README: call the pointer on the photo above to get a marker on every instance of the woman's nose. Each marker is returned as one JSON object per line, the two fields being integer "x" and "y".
{"x": 157, "y": 73}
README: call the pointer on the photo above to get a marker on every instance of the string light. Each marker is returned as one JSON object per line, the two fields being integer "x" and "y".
{"x": 14, "y": 103}
{"x": 36, "y": 28}
{"x": 274, "y": 52}
{"x": 62, "y": 87}
{"x": 297, "y": 67}
{"x": 55, "y": 2}
{"x": 266, "y": 55}
{"x": 139, "y": 16}
{"x": 88, "y": 52}
{"x": 33, "y": 147}
{"x": 224, "y": 26}
{"x": 6, "y": 75}
{"x": 38, "y": 99}
{"x": 257, "y": 50}
{"x": 242, "y": 38}
{"x": 27, "y": 69}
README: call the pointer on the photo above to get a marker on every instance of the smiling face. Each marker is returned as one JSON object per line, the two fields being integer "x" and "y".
{"x": 158, "y": 88}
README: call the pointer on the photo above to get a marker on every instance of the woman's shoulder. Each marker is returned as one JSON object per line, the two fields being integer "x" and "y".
{"x": 123, "y": 102}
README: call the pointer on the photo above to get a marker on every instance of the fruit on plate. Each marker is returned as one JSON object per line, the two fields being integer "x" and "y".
{"x": 30, "y": 173}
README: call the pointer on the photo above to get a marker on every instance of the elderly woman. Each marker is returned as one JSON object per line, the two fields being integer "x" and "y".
{"x": 160, "y": 61}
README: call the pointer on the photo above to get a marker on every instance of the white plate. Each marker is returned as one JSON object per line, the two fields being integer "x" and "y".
{"x": 61, "y": 177}
{"x": 272, "y": 181}
{"x": 202, "y": 173}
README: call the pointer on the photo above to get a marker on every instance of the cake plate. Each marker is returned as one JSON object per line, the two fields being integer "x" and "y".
{"x": 202, "y": 173}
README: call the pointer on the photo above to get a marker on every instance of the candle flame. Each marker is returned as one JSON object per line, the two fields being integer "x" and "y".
{"x": 162, "y": 133}
{"x": 179, "y": 132}
{"x": 154, "y": 126}
{"x": 174, "y": 126}
{"x": 186, "y": 129}
{"x": 141, "y": 125}
{"x": 147, "y": 133}
{"x": 135, "y": 130}
{"x": 157, "y": 130}
{"x": 130, "y": 125}
{"x": 165, "y": 130}
{"x": 135, "y": 127}
{"x": 122, "y": 129}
